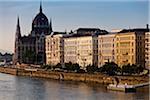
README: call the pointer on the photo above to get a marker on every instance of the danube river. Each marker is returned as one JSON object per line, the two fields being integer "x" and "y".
{"x": 27, "y": 88}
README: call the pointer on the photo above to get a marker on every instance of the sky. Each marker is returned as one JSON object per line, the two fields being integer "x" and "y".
{"x": 70, "y": 15}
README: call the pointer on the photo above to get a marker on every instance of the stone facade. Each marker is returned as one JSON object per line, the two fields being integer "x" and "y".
{"x": 147, "y": 50}
{"x": 106, "y": 49}
{"x": 54, "y": 49}
{"x": 70, "y": 50}
{"x": 130, "y": 48}
{"x": 31, "y": 49}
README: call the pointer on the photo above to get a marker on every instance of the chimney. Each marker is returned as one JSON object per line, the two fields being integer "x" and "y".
{"x": 147, "y": 26}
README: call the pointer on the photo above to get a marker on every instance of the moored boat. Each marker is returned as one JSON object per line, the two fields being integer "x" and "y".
{"x": 121, "y": 87}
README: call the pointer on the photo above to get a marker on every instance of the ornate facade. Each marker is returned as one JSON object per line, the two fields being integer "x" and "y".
{"x": 31, "y": 49}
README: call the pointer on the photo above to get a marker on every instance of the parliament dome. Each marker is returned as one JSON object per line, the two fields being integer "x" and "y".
{"x": 40, "y": 20}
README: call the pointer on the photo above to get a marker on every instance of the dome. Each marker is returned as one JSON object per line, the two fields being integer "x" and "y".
{"x": 40, "y": 20}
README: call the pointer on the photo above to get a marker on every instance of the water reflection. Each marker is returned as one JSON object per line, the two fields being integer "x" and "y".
{"x": 27, "y": 88}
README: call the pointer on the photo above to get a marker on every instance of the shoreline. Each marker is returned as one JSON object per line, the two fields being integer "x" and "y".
{"x": 76, "y": 77}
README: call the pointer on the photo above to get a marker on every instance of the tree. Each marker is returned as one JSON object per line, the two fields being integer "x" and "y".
{"x": 72, "y": 67}
{"x": 58, "y": 66}
{"x": 127, "y": 69}
{"x": 46, "y": 67}
{"x": 132, "y": 69}
{"x": 91, "y": 69}
{"x": 110, "y": 68}
{"x": 76, "y": 67}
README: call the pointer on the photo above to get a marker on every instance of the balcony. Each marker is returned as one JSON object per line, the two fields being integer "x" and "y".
{"x": 125, "y": 53}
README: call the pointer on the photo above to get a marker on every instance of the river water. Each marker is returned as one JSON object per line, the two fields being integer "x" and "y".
{"x": 27, "y": 88}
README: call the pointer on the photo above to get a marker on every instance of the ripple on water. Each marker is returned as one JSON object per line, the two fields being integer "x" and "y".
{"x": 27, "y": 88}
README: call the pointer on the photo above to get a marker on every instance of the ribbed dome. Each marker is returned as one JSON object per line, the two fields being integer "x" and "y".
{"x": 40, "y": 20}
{"x": 40, "y": 24}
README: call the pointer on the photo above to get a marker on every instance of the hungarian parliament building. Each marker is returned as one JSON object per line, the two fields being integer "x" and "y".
{"x": 32, "y": 46}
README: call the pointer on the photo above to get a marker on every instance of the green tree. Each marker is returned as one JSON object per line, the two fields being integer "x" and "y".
{"x": 46, "y": 67}
{"x": 91, "y": 68}
{"x": 58, "y": 66}
{"x": 75, "y": 67}
{"x": 131, "y": 69}
{"x": 72, "y": 67}
{"x": 127, "y": 69}
{"x": 110, "y": 68}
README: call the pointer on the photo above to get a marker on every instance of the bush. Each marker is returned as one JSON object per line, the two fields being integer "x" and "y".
{"x": 132, "y": 69}
{"x": 91, "y": 69}
{"x": 110, "y": 68}
{"x": 46, "y": 67}
{"x": 72, "y": 67}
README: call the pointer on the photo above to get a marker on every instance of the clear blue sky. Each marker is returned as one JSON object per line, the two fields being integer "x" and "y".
{"x": 67, "y": 15}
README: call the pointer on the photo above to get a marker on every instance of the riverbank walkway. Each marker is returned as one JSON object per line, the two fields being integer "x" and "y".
{"x": 141, "y": 85}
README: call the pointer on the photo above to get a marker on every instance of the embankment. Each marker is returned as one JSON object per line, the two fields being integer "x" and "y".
{"x": 92, "y": 78}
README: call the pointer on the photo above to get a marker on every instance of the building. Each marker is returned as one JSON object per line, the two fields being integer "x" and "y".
{"x": 55, "y": 48}
{"x": 31, "y": 49}
{"x": 130, "y": 47}
{"x": 81, "y": 49}
{"x": 87, "y": 51}
{"x": 147, "y": 50}
{"x": 106, "y": 49}
{"x": 70, "y": 50}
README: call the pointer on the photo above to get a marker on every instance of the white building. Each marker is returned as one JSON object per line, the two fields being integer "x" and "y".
{"x": 54, "y": 49}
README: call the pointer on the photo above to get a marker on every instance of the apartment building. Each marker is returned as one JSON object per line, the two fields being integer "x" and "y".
{"x": 130, "y": 48}
{"x": 147, "y": 50}
{"x": 70, "y": 49}
{"x": 106, "y": 49}
{"x": 81, "y": 49}
{"x": 54, "y": 49}
{"x": 87, "y": 51}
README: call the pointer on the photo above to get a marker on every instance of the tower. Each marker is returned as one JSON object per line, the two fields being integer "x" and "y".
{"x": 17, "y": 42}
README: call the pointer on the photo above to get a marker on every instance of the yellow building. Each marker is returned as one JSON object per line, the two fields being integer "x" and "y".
{"x": 54, "y": 49}
{"x": 147, "y": 50}
{"x": 106, "y": 49}
{"x": 130, "y": 48}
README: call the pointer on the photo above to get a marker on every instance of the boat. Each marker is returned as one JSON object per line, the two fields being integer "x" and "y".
{"x": 121, "y": 87}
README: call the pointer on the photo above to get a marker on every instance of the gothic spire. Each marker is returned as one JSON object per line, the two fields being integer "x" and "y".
{"x": 40, "y": 7}
{"x": 18, "y": 32}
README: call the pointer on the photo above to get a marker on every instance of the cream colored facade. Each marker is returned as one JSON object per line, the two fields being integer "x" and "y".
{"x": 130, "y": 48}
{"x": 54, "y": 49}
{"x": 106, "y": 49}
{"x": 147, "y": 50}
{"x": 70, "y": 50}
{"x": 87, "y": 51}
{"x": 81, "y": 50}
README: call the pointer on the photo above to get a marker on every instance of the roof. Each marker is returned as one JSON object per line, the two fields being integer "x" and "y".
{"x": 95, "y": 31}
{"x": 134, "y": 30}
{"x": 88, "y": 29}
{"x": 78, "y": 35}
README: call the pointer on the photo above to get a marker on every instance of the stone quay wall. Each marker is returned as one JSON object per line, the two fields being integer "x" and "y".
{"x": 80, "y": 77}
{"x": 11, "y": 71}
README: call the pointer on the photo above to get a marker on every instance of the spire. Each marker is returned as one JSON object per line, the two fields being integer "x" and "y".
{"x": 18, "y": 33}
{"x": 18, "y": 24}
{"x": 50, "y": 26}
{"x": 40, "y": 7}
